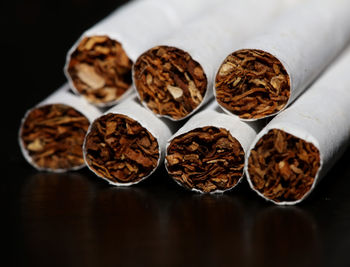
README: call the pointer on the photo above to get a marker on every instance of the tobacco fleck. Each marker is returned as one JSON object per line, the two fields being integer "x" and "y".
{"x": 120, "y": 149}
{"x": 169, "y": 81}
{"x": 252, "y": 84}
{"x": 206, "y": 159}
{"x": 100, "y": 69}
{"x": 283, "y": 167}
{"x": 53, "y": 135}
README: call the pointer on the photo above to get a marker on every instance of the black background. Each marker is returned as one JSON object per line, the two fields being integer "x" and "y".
{"x": 76, "y": 220}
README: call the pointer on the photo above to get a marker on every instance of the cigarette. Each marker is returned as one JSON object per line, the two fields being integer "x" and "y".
{"x": 126, "y": 144}
{"x": 170, "y": 82}
{"x": 269, "y": 71}
{"x": 51, "y": 134}
{"x": 98, "y": 66}
{"x": 100, "y": 69}
{"x": 174, "y": 78}
{"x": 207, "y": 154}
{"x": 298, "y": 147}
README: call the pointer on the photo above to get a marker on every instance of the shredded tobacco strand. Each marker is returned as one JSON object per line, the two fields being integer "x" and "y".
{"x": 252, "y": 84}
{"x": 169, "y": 81}
{"x": 283, "y": 167}
{"x": 120, "y": 149}
{"x": 207, "y": 159}
{"x": 100, "y": 69}
{"x": 53, "y": 136}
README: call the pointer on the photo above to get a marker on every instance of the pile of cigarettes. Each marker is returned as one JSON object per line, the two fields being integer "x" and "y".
{"x": 215, "y": 90}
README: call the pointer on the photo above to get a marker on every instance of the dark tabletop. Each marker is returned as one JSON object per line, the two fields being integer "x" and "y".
{"x": 75, "y": 219}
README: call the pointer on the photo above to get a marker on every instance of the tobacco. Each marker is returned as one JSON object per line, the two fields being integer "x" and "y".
{"x": 119, "y": 149}
{"x": 53, "y": 136}
{"x": 252, "y": 84}
{"x": 169, "y": 81}
{"x": 207, "y": 159}
{"x": 283, "y": 167}
{"x": 100, "y": 69}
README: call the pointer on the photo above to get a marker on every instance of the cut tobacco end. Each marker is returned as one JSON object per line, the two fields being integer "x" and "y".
{"x": 283, "y": 167}
{"x": 53, "y": 136}
{"x": 120, "y": 150}
{"x": 206, "y": 159}
{"x": 100, "y": 69}
{"x": 169, "y": 81}
{"x": 252, "y": 84}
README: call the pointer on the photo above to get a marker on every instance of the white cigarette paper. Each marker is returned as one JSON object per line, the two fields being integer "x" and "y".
{"x": 126, "y": 144}
{"x": 119, "y": 39}
{"x": 63, "y": 108}
{"x": 269, "y": 71}
{"x": 175, "y": 78}
{"x": 207, "y": 154}
{"x": 298, "y": 147}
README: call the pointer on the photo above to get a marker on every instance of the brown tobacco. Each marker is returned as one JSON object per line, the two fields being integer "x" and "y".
{"x": 53, "y": 135}
{"x": 100, "y": 69}
{"x": 120, "y": 149}
{"x": 206, "y": 159}
{"x": 283, "y": 167}
{"x": 252, "y": 84}
{"x": 169, "y": 81}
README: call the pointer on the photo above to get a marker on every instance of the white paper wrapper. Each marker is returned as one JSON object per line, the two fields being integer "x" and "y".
{"x": 320, "y": 116}
{"x": 243, "y": 132}
{"x": 137, "y": 25}
{"x": 211, "y": 37}
{"x": 305, "y": 40}
{"x": 160, "y": 129}
{"x": 60, "y": 96}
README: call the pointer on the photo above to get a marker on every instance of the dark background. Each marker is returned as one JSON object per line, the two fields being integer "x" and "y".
{"x": 76, "y": 220}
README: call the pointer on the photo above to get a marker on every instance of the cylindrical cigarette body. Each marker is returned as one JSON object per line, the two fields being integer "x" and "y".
{"x": 126, "y": 144}
{"x": 207, "y": 154}
{"x": 98, "y": 66}
{"x": 268, "y": 72}
{"x": 297, "y": 148}
{"x": 51, "y": 134}
{"x": 175, "y": 78}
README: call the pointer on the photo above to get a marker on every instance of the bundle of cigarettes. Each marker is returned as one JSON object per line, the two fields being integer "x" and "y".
{"x": 152, "y": 63}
